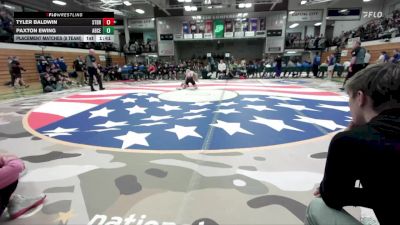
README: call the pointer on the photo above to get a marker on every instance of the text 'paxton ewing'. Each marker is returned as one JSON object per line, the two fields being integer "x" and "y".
{"x": 131, "y": 220}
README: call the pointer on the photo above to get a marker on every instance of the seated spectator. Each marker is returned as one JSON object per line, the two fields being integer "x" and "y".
{"x": 307, "y": 67}
{"x": 10, "y": 169}
{"x": 372, "y": 138}
{"x": 62, "y": 65}
{"x": 396, "y": 56}
{"x": 49, "y": 83}
{"x": 222, "y": 68}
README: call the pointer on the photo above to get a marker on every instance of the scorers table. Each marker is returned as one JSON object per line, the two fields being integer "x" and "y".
{"x": 64, "y": 26}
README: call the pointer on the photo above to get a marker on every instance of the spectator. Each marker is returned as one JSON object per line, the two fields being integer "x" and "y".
{"x": 16, "y": 69}
{"x": 357, "y": 61}
{"x": 49, "y": 83}
{"x": 78, "y": 65}
{"x": 10, "y": 169}
{"x": 371, "y": 138}
{"x": 222, "y": 67}
{"x": 152, "y": 70}
{"x": 367, "y": 58}
{"x": 93, "y": 70}
{"x": 278, "y": 66}
{"x": 383, "y": 58}
{"x": 10, "y": 62}
{"x": 43, "y": 64}
{"x": 331, "y": 65}
{"x": 396, "y": 56}
{"x": 316, "y": 63}
{"x": 307, "y": 65}
{"x": 62, "y": 65}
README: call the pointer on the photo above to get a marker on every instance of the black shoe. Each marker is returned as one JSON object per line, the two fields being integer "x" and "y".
{"x": 342, "y": 89}
{"x": 93, "y": 90}
{"x": 102, "y": 88}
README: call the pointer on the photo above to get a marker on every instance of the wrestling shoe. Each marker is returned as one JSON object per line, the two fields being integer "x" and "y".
{"x": 19, "y": 205}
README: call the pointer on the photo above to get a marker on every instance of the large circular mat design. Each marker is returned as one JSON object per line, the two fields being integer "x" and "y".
{"x": 218, "y": 116}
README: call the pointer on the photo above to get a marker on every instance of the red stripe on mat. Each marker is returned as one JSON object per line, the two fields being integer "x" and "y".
{"x": 93, "y": 96}
{"x": 317, "y": 93}
{"x": 94, "y": 101}
{"x": 37, "y": 120}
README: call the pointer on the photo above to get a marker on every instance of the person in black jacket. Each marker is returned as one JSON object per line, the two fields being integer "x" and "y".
{"x": 93, "y": 70}
{"x": 363, "y": 162}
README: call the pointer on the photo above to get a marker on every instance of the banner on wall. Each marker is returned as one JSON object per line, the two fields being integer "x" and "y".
{"x": 245, "y": 25}
{"x": 193, "y": 27}
{"x": 228, "y": 26}
{"x": 218, "y": 28}
{"x": 185, "y": 28}
{"x": 238, "y": 25}
{"x": 141, "y": 24}
{"x": 201, "y": 27}
{"x": 309, "y": 15}
{"x": 253, "y": 24}
{"x": 208, "y": 26}
{"x": 344, "y": 14}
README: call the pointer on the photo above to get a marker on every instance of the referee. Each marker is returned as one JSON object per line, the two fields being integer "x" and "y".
{"x": 93, "y": 70}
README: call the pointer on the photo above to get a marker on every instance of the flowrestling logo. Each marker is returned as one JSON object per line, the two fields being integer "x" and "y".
{"x": 372, "y": 14}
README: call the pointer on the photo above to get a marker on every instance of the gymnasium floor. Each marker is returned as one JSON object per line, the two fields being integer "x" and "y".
{"x": 232, "y": 152}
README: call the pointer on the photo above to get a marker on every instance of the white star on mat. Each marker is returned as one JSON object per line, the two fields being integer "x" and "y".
{"x": 152, "y": 99}
{"x": 141, "y": 94}
{"x": 329, "y": 124}
{"x": 197, "y": 110}
{"x": 259, "y": 107}
{"x": 133, "y": 138}
{"x": 230, "y": 128}
{"x": 282, "y": 98}
{"x": 110, "y": 124}
{"x": 227, "y": 104}
{"x": 103, "y": 130}
{"x": 182, "y": 132}
{"x": 168, "y": 108}
{"x": 126, "y": 100}
{"x": 158, "y": 118}
{"x": 101, "y": 112}
{"x": 150, "y": 124}
{"x": 201, "y": 103}
{"x": 252, "y": 100}
{"x": 191, "y": 117}
{"x": 59, "y": 131}
{"x": 136, "y": 109}
{"x": 57, "y": 134}
{"x": 340, "y": 108}
{"x": 226, "y": 111}
{"x": 277, "y": 125}
{"x": 296, "y": 107}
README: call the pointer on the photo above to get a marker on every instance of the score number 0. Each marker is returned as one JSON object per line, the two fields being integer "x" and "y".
{"x": 108, "y": 21}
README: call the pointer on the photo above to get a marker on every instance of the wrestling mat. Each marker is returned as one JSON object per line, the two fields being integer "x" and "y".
{"x": 144, "y": 153}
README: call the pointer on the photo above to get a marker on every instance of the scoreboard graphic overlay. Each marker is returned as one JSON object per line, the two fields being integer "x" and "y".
{"x": 64, "y": 27}
{"x": 216, "y": 117}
